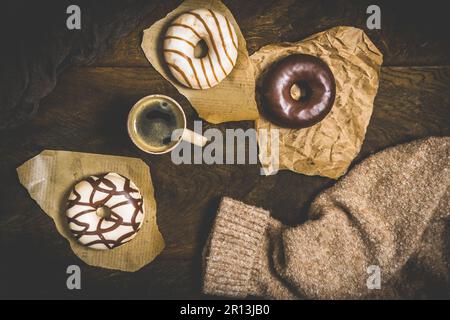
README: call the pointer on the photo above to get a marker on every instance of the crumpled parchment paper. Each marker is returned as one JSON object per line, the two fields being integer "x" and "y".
{"x": 231, "y": 100}
{"x": 327, "y": 148}
{"x": 49, "y": 177}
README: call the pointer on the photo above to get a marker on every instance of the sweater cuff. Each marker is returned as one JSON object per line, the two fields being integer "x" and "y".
{"x": 233, "y": 249}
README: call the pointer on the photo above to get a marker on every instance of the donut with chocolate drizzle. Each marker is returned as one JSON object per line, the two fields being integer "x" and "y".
{"x": 105, "y": 211}
{"x": 312, "y": 77}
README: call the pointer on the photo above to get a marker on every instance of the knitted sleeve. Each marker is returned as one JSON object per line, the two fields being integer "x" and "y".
{"x": 361, "y": 232}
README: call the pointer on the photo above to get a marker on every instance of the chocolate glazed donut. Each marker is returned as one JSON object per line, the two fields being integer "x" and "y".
{"x": 317, "y": 85}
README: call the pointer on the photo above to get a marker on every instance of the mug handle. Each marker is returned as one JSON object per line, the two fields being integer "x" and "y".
{"x": 194, "y": 138}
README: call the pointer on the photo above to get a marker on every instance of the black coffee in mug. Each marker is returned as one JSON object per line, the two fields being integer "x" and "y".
{"x": 152, "y": 121}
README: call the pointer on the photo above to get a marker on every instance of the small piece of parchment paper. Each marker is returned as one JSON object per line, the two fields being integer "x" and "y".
{"x": 231, "y": 100}
{"x": 50, "y": 176}
{"x": 327, "y": 148}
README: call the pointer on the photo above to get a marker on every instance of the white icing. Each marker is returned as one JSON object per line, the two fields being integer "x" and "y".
{"x": 125, "y": 209}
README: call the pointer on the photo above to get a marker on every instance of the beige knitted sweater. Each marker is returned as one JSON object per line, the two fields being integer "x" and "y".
{"x": 383, "y": 231}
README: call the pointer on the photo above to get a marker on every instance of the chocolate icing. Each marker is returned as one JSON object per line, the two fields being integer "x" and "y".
{"x": 317, "y": 84}
{"x": 92, "y": 206}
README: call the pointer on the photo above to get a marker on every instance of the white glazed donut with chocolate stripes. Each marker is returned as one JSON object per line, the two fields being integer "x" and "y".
{"x": 182, "y": 36}
{"x": 94, "y": 196}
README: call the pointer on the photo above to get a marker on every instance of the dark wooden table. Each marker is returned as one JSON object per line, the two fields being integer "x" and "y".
{"x": 87, "y": 111}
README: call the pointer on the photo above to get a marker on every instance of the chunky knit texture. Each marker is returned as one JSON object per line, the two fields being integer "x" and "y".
{"x": 390, "y": 211}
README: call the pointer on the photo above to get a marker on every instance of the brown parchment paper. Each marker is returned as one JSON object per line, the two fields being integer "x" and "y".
{"x": 327, "y": 148}
{"x": 49, "y": 176}
{"x": 231, "y": 100}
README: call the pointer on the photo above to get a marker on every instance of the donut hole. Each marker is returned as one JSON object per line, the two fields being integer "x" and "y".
{"x": 301, "y": 91}
{"x": 103, "y": 212}
{"x": 201, "y": 49}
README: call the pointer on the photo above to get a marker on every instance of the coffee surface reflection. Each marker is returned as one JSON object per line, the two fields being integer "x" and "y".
{"x": 153, "y": 121}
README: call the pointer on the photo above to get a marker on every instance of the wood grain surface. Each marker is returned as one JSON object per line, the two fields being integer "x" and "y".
{"x": 87, "y": 113}
{"x": 411, "y": 31}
